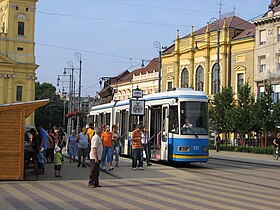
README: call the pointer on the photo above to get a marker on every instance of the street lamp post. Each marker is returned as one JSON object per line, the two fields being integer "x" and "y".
{"x": 70, "y": 122}
{"x": 157, "y": 45}
{"x": 78, "y": 56}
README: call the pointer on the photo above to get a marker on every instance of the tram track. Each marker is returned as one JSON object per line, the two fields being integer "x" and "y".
{"x": 231, "y": 175}
{"x": 243, "y": 165}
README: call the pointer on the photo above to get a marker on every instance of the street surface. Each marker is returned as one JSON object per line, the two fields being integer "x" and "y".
{"x": 222, "y": 183}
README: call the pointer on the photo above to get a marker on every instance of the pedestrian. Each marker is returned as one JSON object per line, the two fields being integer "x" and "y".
{"x": 218, "y": 143}
{"x": 90, "y": 132}
{"x": 72, "y": 146}
{"x": 83, "y": 141}
{"x": 107, "y": 141}
{"x": 116, "y": 144}
{"x": 95, "y": 157}
{"x": 42, "y": 148}
{"x": 50, "y": 146}
{"x": 61, "y": 138}
{"x": 53, "y": 136}
{"x": 146, "y": 144}
{"x": 57, "y": 162}
{"x": 35, "y": 142}
{"x": 137, "y": 150}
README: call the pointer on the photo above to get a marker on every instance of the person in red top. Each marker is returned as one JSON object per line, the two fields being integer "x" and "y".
{"x": 107, "y": 141}
{"x": 137, "y": 149}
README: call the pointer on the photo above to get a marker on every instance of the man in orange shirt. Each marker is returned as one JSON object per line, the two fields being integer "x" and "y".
{"x": 107, "y": 141}
{"x": 90, "y": 132}
{"x": 137, "y": 149}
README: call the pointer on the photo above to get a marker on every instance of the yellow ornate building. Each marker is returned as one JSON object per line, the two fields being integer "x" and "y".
{"x": 192, "y": 60}
{"x": 17, "y": 49}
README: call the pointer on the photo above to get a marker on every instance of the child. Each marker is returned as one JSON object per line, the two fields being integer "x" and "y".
{"x": 57, "y": 162}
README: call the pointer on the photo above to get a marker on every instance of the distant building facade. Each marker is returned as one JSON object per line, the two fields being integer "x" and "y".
{"x": 17, "y": 50}
{"x": 267, "y": 54}
{"x": 120, "y": 87}
{"x": 193, "y": 60}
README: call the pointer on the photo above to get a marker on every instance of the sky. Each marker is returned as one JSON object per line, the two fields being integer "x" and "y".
{"x": 116, "y": 35}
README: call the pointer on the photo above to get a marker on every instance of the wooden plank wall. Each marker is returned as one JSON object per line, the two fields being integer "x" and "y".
{"x": 11, "y": 144}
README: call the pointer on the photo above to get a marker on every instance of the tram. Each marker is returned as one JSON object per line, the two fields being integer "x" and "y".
{"x": 177, "y": 123}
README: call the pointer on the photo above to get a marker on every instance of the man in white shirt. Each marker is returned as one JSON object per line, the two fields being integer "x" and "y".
{"x": 95, "y": 158}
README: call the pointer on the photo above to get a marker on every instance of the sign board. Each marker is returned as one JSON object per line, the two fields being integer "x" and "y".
{"x": 137, "y": 107}
{"x": 137, "y": 93}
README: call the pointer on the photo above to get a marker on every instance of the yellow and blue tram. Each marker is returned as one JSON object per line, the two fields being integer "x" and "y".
{"x": 177, "y": 122}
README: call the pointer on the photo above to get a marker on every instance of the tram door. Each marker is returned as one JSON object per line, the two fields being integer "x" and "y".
{"x": 124, "y": 132}
{"x": 164, "y": 133}
{"x": 155, "y": 132}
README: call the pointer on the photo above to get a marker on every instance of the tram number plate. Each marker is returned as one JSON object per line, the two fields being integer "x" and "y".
{"x": 195, "y": 147}
{"x": 184, "y": 149}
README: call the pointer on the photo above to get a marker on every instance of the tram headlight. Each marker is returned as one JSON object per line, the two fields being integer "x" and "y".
{"x": 204, "y": 149}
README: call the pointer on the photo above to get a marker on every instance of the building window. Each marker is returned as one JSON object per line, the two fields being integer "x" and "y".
{"x": 215, "y": 79}
{"x": 262, "y": 37}
{"x": 261, "y": 91}
{"x": 21, "y": 28}
{"x": 185, "y": 78}
{"x": 16, "y": 7}
{"x": 278, "y": 34}
{"x": 199, "y": 78}
{"x": 20, "y": 49}
{"x": 240, "y": 80}
{"x": 278, "y": 64}
{"x": 26, "y": 9}
{"x": 276, "y": 96}
{"x": 169, "y": 85}
{"x": 19, "y": 93}
{"x": 262, "y": 65}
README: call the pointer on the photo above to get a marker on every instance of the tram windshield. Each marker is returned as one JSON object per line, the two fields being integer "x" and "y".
{"x": 194, "y": 118}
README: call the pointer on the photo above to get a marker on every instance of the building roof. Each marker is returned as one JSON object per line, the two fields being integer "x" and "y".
{"x": 28, "y": 106}
{"x": 231, "y": 22}
{"x": 246, "y": 34}
{"x": 151, "y": 67}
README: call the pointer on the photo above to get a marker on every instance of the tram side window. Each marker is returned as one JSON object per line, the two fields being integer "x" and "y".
{"x": 108, "y": 115}
{"x": 173, "y": 119}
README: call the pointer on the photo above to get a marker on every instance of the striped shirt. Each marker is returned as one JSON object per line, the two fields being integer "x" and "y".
{"x": 136, "y": 139}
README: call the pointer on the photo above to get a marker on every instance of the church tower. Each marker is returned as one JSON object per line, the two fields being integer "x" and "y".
{"x": 17, "y": 52}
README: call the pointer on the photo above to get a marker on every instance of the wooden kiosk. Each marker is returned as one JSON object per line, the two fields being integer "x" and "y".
{"x": 12, "y": 129}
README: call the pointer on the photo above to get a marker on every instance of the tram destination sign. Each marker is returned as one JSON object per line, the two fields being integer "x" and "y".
{"x": 137, "y": 93}
{"x": 137, "y": 107}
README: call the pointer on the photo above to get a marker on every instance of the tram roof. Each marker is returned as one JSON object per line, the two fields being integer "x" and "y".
{"x": 179, "y": 93}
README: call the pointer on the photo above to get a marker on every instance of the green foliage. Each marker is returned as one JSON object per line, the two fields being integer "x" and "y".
{"x": 244, "y": 115}
{"x": 220, "y": 110}
{"x": 52, "y": 113}
{"x": 241, "y": 117}
{"x": 255, "y": 150}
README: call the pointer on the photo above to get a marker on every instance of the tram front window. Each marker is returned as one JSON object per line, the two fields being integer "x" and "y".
{"x": 194, "y": 118}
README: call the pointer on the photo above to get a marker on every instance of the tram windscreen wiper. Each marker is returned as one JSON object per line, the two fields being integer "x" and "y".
{"x": 193, "y": 132}
{"x": 188, "y": 130}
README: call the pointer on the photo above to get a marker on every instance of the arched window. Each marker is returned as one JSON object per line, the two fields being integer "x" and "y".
{"x": 215, "y": 79}
{"x": 199, "y": 78}
{"x": 21, "y": 24}
{"x": 185, "y": 78}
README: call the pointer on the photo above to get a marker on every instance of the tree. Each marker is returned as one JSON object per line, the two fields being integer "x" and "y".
{"x": 263, "y": 112}
{"x": 242, "y": 117}
{"x": 221, "y": 111}
{"x": 52, "y": 113}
